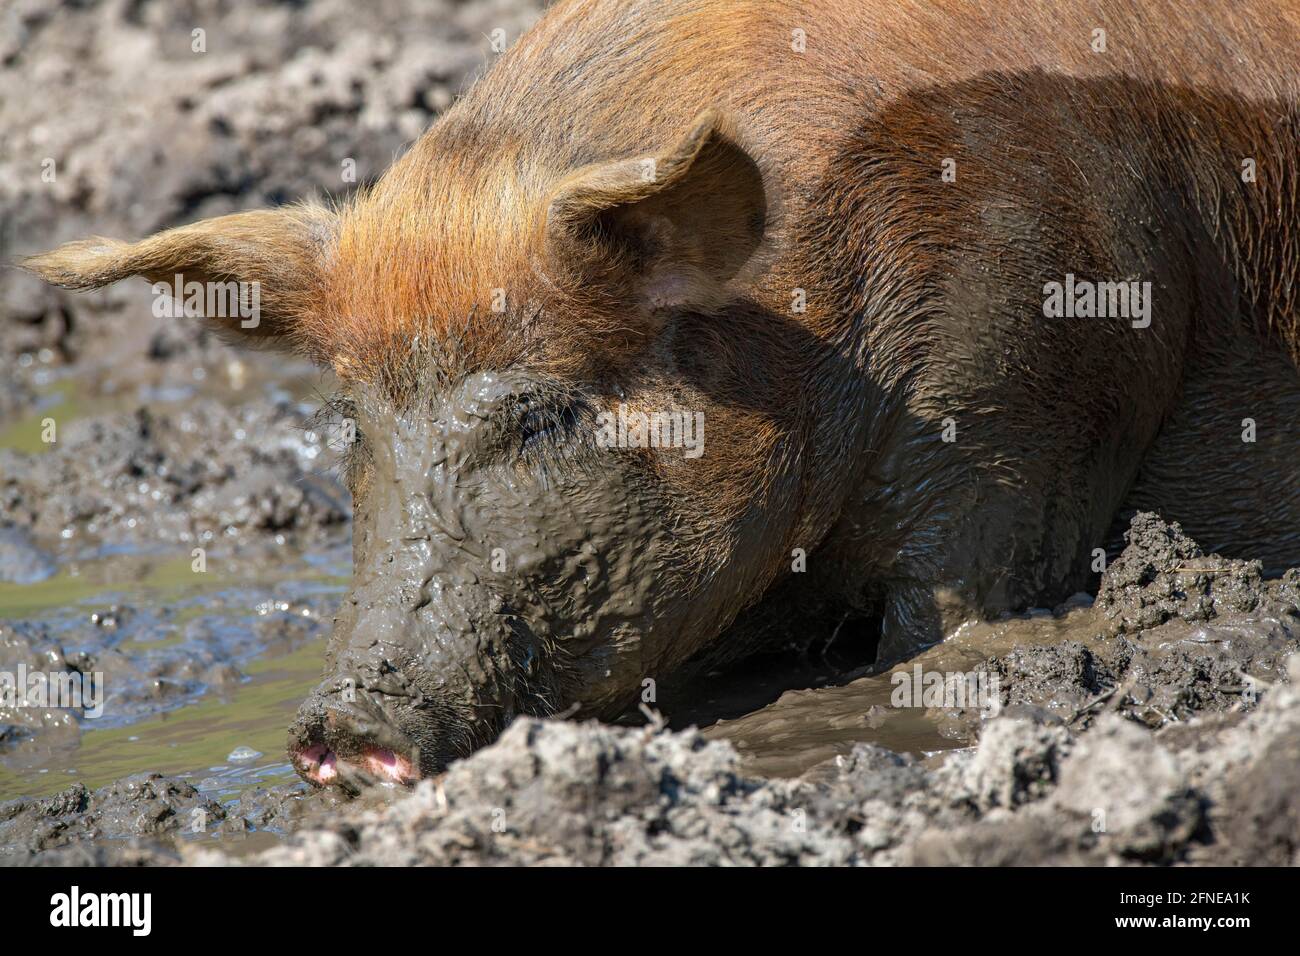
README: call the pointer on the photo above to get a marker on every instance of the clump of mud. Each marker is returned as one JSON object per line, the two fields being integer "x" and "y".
{"x": 1163, "y": 575}
{"x": 1174, "y": 741}
{"x": 178, "y": 475}
{"x": 139, "y": 820}
{"x": 1173, "y": 633}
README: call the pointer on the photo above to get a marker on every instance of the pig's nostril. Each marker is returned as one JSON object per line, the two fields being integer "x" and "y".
{"x": 386, "y": 765}
{"x": 327, "y": 769}
{"x": 313, "y": 755}
{"x": 318, "y": 763}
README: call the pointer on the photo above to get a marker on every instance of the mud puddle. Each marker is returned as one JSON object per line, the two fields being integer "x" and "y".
{"x": 194, "y": 667}
{"x": 807, "y": 726}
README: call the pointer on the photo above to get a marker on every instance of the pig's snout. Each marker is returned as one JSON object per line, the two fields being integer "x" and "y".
{"x": 344, "y": 735}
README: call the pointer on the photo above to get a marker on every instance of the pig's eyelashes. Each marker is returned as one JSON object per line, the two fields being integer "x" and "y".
{"x": 533, "y": 431}
{"x": 540, "y": 425}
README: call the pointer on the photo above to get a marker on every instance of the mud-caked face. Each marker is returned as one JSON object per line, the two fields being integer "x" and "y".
{"x": 505, "y": 561}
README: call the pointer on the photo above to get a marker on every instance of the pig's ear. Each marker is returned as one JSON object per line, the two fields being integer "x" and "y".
{"x": 669, "y": 229}
{"x": 281, "y": 250}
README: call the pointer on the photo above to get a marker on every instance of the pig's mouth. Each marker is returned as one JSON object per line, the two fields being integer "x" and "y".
{"x": 321, "y": 765}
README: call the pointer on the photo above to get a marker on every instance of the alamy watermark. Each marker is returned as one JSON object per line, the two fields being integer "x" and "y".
{"x": 75, "y": 908}
{"x": 53, "y": 689}
{"x": 632, "y": 429}
{"x": 978, "y": 690}
{"x": 1084, "y": 299}
{"x": 213, "y": 300}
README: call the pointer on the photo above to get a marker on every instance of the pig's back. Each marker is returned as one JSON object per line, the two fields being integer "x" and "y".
{"x": 604, "y": 77}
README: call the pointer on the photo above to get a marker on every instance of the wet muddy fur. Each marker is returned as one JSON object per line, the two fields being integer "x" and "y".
{"x": 838, "y": 250}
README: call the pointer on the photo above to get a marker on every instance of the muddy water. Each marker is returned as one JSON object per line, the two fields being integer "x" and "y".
{"x": 197, "y": 666}
{"x": 806, "y": 726}
{"x": 145, "y": 621}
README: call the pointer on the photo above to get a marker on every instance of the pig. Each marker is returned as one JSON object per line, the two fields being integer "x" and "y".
{"x": 695, "y": 315}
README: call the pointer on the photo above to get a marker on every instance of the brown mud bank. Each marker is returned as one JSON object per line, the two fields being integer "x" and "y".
{"x": 1159, "y": 725}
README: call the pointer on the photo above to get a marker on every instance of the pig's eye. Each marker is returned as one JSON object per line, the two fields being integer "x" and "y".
{"x": 540, "y": 424}
{"x": 543, "y": 425}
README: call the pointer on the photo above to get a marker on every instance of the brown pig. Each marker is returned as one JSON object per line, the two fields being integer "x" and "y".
{"x": 695, "y": 310}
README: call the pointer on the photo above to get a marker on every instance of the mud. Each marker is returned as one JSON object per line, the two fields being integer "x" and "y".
{"x": 21, "y": 562}
{"x": 1207, "y": 707}
{"x": 146, "y": 661}
{"x": 1032, "y": 792}
{"x": 188, "y": 476}
{"x": 168, "y": 440}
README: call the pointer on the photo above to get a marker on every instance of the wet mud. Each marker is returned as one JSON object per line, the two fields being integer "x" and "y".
{"x": 1203, "y": 699}
{"x": 166, "y": 441}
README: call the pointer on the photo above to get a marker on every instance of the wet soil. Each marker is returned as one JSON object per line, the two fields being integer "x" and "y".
{"x": 1205, "y": 702}
{"x": 1155, "y": 722}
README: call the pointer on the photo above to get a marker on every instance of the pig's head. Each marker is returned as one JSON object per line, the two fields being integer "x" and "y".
{"x": 498, "y": 327}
